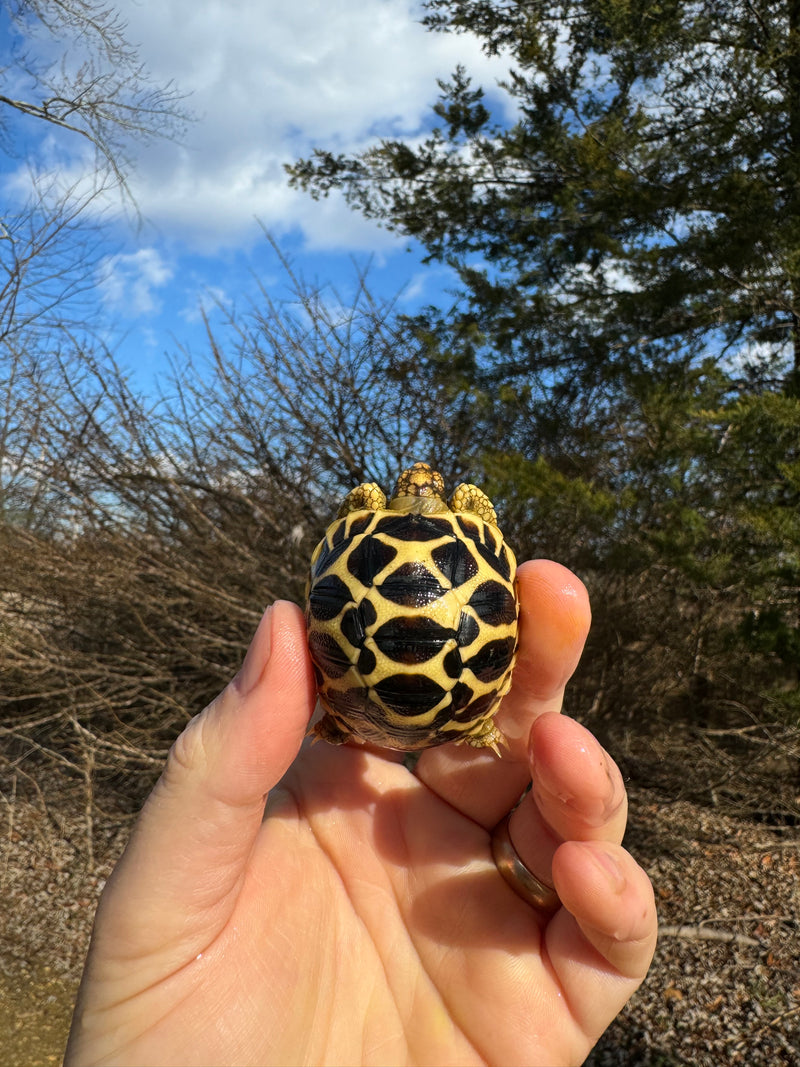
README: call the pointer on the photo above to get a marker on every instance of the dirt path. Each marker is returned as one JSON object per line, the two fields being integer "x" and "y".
{"x": 48, "y": 904}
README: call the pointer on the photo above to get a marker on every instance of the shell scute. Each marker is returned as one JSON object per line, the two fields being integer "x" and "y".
{"x": 355, "y": 622}
{"x": 329, "y": 656}
{"x": 492, "y": 660}
{"x": 493, "y": 603}
{"x": 413, "y": 527}
{"x": 329, "y": 595}
{"x": 358, "y": 522}
{"x": 475, "y": 709}
{"x": 369, "y": 558}
{"x": 367, "y": 661}
{"x": 412, "y": 585}
{"x": 490, "y": 553}
{"x": 410, "y": 694}
{"x": 410, "y": 639}
{"x": 468, "y": 630}
{"x": 329, "y": 550}
{"x": 455, "y": 561}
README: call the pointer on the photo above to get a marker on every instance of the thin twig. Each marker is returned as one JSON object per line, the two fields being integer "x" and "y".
{"x": 691, "y": 932}
{"x": 11, "y": 803}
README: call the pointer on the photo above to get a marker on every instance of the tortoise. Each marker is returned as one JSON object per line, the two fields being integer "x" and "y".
{"x": 412, "y": 616}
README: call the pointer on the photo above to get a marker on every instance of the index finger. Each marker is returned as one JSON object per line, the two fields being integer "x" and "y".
{"x": 554, "y": 622}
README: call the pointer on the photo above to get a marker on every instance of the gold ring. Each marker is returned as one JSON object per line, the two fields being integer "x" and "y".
{"x": 524, "y": 882}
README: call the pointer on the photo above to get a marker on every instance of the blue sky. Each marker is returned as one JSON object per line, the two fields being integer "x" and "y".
{"x": 266, "y": 80}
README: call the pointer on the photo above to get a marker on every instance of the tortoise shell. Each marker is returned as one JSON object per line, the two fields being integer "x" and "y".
{"x": 412, "y": 616}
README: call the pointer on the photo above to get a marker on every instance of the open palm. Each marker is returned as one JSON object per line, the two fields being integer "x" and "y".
{"x": 363, "y": 920}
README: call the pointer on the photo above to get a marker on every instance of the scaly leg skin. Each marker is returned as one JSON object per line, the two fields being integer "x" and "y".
{"x": 327, "y": 729}
{"x": 470, "y": 498}
{"x": 366, "y": 497}
{"x": 486, "y": 735}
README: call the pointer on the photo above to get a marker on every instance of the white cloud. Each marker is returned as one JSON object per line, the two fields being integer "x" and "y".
{"x": 204, "y": 303}
{"x": 268, "y": 80}
{"x": 759, "y": 357}
{"x": 128, "y": 281}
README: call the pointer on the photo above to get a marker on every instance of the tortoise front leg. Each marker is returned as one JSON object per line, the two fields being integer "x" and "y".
{"x": 470, "y": 498}
{"x": 366, "y": 497}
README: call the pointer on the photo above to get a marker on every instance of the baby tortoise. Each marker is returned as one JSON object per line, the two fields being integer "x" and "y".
{"x": 412, "y": 616}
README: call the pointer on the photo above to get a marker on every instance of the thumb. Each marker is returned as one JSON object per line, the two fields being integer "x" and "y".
{"x": 181, "y": 871}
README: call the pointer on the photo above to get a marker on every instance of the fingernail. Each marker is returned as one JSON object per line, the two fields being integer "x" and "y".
{"x": 257, "y": 655}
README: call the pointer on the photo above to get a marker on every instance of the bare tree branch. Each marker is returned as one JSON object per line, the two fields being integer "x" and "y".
{"x": 98, "y": 89}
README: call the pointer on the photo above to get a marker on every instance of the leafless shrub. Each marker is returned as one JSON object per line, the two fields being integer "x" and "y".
{"x": 87, "y": 82}
{"x": 688, "y": 708}
{"x": 142, "y": 537}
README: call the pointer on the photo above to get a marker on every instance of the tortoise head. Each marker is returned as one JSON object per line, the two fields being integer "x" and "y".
{"x": 419, "y": 489}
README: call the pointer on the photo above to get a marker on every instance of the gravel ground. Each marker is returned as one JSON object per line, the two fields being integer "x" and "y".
{"x": 724, "y": 987}
{"x": 49, "y": 898}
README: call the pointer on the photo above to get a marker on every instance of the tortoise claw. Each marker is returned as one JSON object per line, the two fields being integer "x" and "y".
{"x": 487, "y": 736}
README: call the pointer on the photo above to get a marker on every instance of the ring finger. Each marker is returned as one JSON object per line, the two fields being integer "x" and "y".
{"x": 577, "y": 795}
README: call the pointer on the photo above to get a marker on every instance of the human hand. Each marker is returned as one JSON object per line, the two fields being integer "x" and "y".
{"x": 362, "y": 919}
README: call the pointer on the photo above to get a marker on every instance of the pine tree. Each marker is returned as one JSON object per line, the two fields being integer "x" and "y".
{"x": 644, "y": 205}
{"x": 628, "y": 249}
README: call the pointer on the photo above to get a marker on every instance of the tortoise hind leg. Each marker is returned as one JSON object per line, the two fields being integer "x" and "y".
{"x": 328, "y": 729}
{"x": 486, "y": 735}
